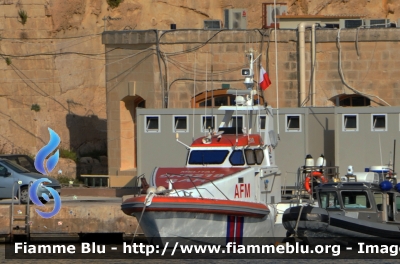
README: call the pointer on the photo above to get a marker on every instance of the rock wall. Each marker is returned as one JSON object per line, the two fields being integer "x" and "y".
{"x": 56, "y": 61}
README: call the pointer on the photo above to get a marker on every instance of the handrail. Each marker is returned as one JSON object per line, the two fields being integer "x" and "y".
{"x": 172, "y": 183}
{"x": 137, "y": 182}
{"x": 195, "y": 186}
{"x": 303, "y": 171}
{"x": 12, "y": 204}
{"x": 28, "y": 213}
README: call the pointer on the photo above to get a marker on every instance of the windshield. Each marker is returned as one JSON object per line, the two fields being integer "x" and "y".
{"x": 207, "y": 156}
{"x": 15, "y": 167}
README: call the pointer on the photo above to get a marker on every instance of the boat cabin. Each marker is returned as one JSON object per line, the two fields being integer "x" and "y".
{"x": 230, "y": 146}
{"x": 227, "y": 151}
{"x": 361, "y": 200}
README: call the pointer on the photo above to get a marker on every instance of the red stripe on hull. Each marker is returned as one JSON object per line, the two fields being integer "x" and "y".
{"x": 195, "y": 205}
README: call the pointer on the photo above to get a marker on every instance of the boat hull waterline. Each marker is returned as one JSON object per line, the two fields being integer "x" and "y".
{"x": 316, "y": 225}
{"x": 195, "y": 220}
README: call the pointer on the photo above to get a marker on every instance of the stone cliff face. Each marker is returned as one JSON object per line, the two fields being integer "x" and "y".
{"x": 55, "y": 61}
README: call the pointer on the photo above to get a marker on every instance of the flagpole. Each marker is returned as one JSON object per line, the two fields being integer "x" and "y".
{"x": 276, "y": 70}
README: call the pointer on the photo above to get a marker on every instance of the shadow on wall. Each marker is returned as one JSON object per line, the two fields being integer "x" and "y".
{"x": 88, "y": 138}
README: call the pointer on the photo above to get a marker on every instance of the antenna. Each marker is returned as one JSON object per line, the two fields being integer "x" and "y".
{"x": 212, "y": 93}
{"x": 194, "y": 91}
{"x": 177, "y": 140}
{"x": 206, "y": 101}
{"x": 212, "y": 97}
{"x": 394, "y": 156}
{"x": 236, "y": 120}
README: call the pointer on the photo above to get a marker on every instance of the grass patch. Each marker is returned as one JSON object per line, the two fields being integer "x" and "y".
{"x": 23, "y": 16}
{"x": 68, "y": 154}
{"x": 114, "y": 3}
{"x": 35, "y": 107}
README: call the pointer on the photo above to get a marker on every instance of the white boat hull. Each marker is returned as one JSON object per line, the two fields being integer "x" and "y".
{"x": 193, "y": 228}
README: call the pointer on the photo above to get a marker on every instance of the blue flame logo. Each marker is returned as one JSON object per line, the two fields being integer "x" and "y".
{"x": 46, "y": 167}
{"x": 45, "y": 151}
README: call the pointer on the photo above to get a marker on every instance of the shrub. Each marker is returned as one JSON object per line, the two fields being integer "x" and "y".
{"x": 8, "y": 61}
{"x": 68, "y": 154}
{"x": 35, "y": 107}
{"x": 23, "y": 16}
{"x": 114, "y": 3}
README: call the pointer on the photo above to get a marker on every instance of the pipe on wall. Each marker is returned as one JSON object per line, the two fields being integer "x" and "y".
{"x": 313, "y": 65}
{"x": 302, "y": 28}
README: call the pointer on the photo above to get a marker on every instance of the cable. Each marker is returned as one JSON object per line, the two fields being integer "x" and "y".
{"x": 186, "y": 70}
{"x": 83, "y": 36}
{"x": 191, "y": 49}
{"x": 80, "y": 71}
{"x": 56, "y": 54}
{"x": 342, "y": 75}
{"x": 158, "y": 52}
{"x": 307, "y": 99}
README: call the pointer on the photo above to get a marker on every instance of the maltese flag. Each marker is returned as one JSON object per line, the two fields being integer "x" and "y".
{"x": 264, "y": 79}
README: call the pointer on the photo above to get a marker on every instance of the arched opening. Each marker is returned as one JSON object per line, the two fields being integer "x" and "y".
{"x": 351, "y": 100}
{"x": 128, "y": 136}
{"x": 218, "y": 98}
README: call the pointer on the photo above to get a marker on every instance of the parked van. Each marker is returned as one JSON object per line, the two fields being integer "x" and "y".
{"x": 12, "y": 174}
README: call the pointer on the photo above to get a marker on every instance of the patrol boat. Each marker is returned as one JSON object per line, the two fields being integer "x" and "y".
{"x": 228, "y": 191}
{"x": 361, "y": 207}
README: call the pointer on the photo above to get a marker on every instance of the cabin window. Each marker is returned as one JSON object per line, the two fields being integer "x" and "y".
{"x": 350, "y": 122}
{"x": 152, "y": 124}
{"x": 236, "y": 121}
{"x": 378, "y": 122}
{"x": 329, "y": 200}
{"x": 236, "y": 158}
{"x": 293, "y": 123}
{"x": 355, "y": 199}
{"x": 259, "y": 155}
{"x": 250, "y": 157}
{"x": 180, "y": 124}
{"x": 261, "y": 123}
{"x": 207, "y": 122}
{"x": 203, "y": 157}
{"x": 378, "y": 201}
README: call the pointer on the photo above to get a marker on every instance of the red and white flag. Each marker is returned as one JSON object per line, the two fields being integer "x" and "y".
{"x": 264, "y": 79}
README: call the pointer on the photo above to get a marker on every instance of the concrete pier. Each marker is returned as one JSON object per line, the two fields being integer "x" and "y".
{"x": 78, "y": 215}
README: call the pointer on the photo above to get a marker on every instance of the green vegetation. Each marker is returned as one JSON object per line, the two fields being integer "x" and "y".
{"x": 68, "y": 154}
{"x": 35, "y": 107}
{"x": 114, "y": 3}
{"x": 8, "y": 61}
{"x": 23, "y": 16}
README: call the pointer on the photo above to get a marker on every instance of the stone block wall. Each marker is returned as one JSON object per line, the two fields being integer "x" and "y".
{"x": 62, "y": 74}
